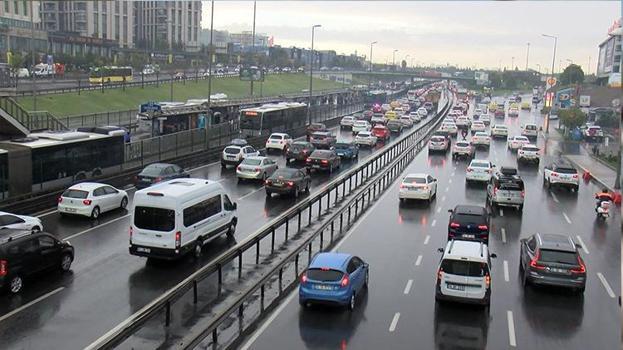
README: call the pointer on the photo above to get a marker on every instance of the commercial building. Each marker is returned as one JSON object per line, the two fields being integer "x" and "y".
{"x": 610, "y": 60}
{"x": 245, "y": 39}
{"x": 220, "y": 39}
{"x": 168, "y": 25}
{"x": 16, "y": 27}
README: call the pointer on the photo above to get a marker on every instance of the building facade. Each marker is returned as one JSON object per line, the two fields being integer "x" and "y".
{"x": 16, "y": 27}
{"x": 610, "y": 59}
{"x": 168, "y": 25}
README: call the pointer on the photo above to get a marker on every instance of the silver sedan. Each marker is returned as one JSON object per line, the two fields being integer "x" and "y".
{"x": 256, "y": 168}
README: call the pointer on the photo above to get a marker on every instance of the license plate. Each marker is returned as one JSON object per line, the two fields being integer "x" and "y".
{"x": 323, "y": 287}
{"x": 469, "y": 236}
{"x": 143, "y": 250}
{"x": 231, "y": 157}
{"x": 316, "y": 166}
{"x": 558, "y": 270}
{"x": 70, "y": 210}
{"x": 456, "y": 286}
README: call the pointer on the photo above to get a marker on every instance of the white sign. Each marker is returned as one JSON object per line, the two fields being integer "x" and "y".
{"x": 585, "y": 101}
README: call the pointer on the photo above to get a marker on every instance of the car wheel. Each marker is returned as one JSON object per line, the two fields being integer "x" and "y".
{"x": 66, "y": 261}
{"x": 351, "y": 302}
{"x": 580, "y": 290}
{"x": 124, "y": 203}
{"x": 576, "y": 188}
{"x": 223, "y": 166}
{"x": 35, "y": 229}
{"x": 16, "y": 284}
{"x": 232, "y": 228}
{"x": 520, "y": 208}
{"x": 524, "y": 279}
{"x": 95, "y": 213}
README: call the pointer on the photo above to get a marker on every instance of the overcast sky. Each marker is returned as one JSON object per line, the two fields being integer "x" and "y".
{"x": 464, "y": 33}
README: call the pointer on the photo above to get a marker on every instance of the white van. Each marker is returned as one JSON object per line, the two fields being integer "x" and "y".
{"x": 175, "y": 217}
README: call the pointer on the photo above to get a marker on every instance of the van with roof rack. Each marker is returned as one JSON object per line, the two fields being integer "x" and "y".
{"x": 506, "y": 188}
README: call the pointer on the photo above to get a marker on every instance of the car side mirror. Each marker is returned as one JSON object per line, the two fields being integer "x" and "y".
{"x": 449, "y": 210}
{"x": 493, "y": 255}
{"x": 441, "y": 250}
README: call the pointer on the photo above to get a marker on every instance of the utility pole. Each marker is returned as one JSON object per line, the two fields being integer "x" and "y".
{"x": 553, "y": 63}
{"x": 311, "y": 72}
{"x": 210, "y": 54}
{"x": 370, "y": 75}
{"x": 527, "y": 56}
{"x": 253, "y": 45}
{"x": 32, "y": 53}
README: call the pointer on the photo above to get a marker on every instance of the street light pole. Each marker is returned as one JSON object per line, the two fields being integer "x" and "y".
{"x": 253, "y": 44}
{"x": 370, "y": 75}
{"x": 553, "y": 63}
{"x": 513, "y": 63}
{"x": 394, "y": 59}
{"x": 32, "y": 53}
{"x": 210, "y": 54}
{"x": 527, "y": 56}
{"x": 311, "y": 72}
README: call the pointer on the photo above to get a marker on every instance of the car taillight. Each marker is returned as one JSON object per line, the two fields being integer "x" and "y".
{"x": 439, "y": 274}
{"x": 308, "y": 160}
{"x": 580, "y": 269}
{"x": 86, "y": 202}
{"x": 483, "y": 227}
{"x": 575, "y": 176}
{"x": 290, "y": 183}
{"x": 238, "y": 168}
{"x": 523, "y": 194}
{"x": 487, "y": 280}
{"x": 455, "y": 225}
{"x": 60, "y": 199}
{"x": 469, "y": 170}
{"x": 3, "y": 268}
{"x": 534, "y": 262}
{"x": 304, "y": 278}
{"x": 257, "y": 170}
{"x": 554, "y": 174}
{"x": 268, "y": 182}
{"x": 345, "y": 280}
{"x": 158, "y": 179}
{"x": 178, "y": 239}
{"x": 324, "y": 161}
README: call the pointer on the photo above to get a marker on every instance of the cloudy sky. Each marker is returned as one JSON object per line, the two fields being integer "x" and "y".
{"x": 464, "y": 33}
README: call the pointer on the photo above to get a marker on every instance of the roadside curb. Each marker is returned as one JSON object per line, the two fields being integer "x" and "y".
{"x": 593, "y": 177}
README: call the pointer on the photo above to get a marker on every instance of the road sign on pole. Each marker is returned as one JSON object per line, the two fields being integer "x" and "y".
{"x": 551, "y": 81}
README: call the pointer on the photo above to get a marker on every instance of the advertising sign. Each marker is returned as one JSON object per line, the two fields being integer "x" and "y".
{"x": 585, "y": 101}
{"x": 251, "y": 74}
{"x": 549, "y": 96}
{"x": 550, "y": 82}
{"x": 564, "y": 97}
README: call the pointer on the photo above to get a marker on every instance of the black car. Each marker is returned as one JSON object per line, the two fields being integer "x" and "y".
{"x": 25, "y": 253}
{"x": 552, "y": 259}
{"x": 288, "y": 181}
{"x": 324, "y": 160}
{"x": 469, "y": 222}
{"x": 158, "y": 172}
{"x": 299, "y": 151}
{"x": 394, "y": 125}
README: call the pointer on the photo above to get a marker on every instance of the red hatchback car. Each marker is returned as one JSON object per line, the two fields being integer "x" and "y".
{"x": 381, "y": 132}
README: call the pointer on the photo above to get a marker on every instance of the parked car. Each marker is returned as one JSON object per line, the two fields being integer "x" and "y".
{"x": 469, "y": 222}
{"x": 316, "y": 127}
{"x": 479, "y": 170}
{"x": 20, "y": 222}
{"x": 361, "y": 125}
{"x": 348, "y": 150}
{"x": 552, "y": 259}
{"x": 324, "y": 160}
{"x": 279, "y": 141}
{"x": 323, "y": 140}
{"x": 528, "y": 153}
{"x": 506, "y": 188}
{"x": 347, "y": 122}
{"x": 418, "y": 186}
{"x": 463, "y": 149}
{"x": 381, "y": 133}
{"x": 92, "y": 199}
{"x": 395, "y": 125}
{"x": 256, "y": 168}
{"x": 288, "y": 181}
{"x": 365, "y": 138}
{"x": 299, "y": 151}
{"x": 561, "y": 173}
{"x": 233, "y": 155}
{"x": 335, "y": 278}
{"x": 24, "y": 253}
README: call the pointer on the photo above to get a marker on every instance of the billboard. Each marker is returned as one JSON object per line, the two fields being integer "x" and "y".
{"x": 564, "y": 96}
{"x": 252, "y": 73}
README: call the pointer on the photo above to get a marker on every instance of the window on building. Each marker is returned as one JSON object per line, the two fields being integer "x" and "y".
{"x": 6, "y": 6}
{"x": 103, "y": 6}
{"x": 117, "y": 27}
{"x": 25, "y": 7}
{"x": 80, "y": 6}
{"x": 189, "y": 33}
{"x": 16, "y": 7}
{"x": 125, "y": 7}
{"x": 116, "y": 7}
{"x": 125, "y": 30}
{"x": 96, "y": 24}
{"x": 104, "y": 27}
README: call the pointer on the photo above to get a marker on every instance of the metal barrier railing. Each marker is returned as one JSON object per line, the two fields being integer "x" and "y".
{"x": 290, "y": 224}
{"x": 38, "y": 120}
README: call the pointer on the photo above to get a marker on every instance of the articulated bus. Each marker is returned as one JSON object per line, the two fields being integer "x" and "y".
{"x": 106, "y": 75}
{"x": 53, "y": 160}
{"x": 272, "y": 117}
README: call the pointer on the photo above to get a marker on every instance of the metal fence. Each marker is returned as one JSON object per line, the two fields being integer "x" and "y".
{"x": 350, "y": 192}
{"x": 39, "y": 120}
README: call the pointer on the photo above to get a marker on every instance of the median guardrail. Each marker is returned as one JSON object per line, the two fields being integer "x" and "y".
{"x": 288, "y": 225}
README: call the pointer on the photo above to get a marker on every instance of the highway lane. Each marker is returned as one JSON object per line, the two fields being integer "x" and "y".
{"x": 400, "y": 244}
{"x": 108, "y": 282}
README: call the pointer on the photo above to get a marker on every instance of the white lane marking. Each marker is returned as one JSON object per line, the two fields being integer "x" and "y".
{"x": 506, "y": 278}
{"x": 503, "y": 231}
{"x": 582, "y": 244}
{"x": 426, "y": 239}
{"x": 443, "y": 198}
{"x": 408, "y": 286}
{"x": 605, "y": 284}
{"x": 439, "y": 210}
{"x": 25, "y": 306}
{"x": 47, "y": 213}
{"x": 418, "y": 261}
{"x": 95, "y": 227}
{"x": 554, "y": 197}
{"x": 251, "y": 193}
{"x": 511, "y": 329}
{"x": 447, "y": 189}
{"x": 501, "y": 212}
{"x": 433, "y": 223}
{"x": 223, "y": 179}
{"x": 392, "y": 326}
{"x": 566, "y": 217}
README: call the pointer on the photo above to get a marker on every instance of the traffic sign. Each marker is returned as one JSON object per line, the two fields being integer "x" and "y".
{"x": 150, "y": 107}
{"x": 551, "y": 81}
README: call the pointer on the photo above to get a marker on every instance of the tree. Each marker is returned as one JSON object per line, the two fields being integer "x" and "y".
{"x": 403, "y": 64}
{"x": 496, "y": 80}
{"x": 572, "y": 118}
{"x": 573, "y": 74}
{"x": 608, "y": 120}
{"x": 509, "y": 80}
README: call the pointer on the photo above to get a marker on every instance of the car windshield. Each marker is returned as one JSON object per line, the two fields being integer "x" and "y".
{"x": 322, "y": 154}
{"x": 557, "y": 256}
{"x": 414, "y": 180}
{"x": 324, "y": 275}
{"x": 152, "y": 170}
{"x": 251, "y": 161}
{"x": 464, "y": 268}
{"x": 79, "y": 194}
{"x": 231, "y": 150}
{"x": 154, "y": 219}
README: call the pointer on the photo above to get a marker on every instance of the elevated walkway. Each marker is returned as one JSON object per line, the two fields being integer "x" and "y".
{"x": 17, "y": 122}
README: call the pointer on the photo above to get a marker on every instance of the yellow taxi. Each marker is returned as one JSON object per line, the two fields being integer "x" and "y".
{"x": 389, "y": 115}
{"x": 526, "y": 106}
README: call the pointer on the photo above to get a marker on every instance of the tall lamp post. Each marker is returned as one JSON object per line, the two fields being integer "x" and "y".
{"x": 311, "y": 72}
{"x": 210, "y": 53}
{"x": 253, "y": 44}
{"x": 32, "y": 53}
{"x": 370, "y": 75}
{"x": 553, "y": 63}
{"x": 527, "y": 56}
{"x": 394, "y": 59}
{"x": 405, "y": 59}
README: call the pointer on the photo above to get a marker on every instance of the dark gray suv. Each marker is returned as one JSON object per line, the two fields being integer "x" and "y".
{"x": 552, "y": 259}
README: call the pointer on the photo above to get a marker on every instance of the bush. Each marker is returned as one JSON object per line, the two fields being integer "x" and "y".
{"x": 609, "y": 120}
{"x": 572, "y": 117}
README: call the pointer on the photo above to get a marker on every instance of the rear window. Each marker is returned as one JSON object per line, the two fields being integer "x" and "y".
{"x": 556, "y": 256}
{"x": 469, "y": 219}
{"x": 565, "y": 170}
{"x": 415, "y": 180}
{"x": 276, "y": 137}
{"x": 464, "y": 268}
{"x": 462, "y": 144}
{"x": 320, "y": 154}
{"x": 324, "y": 275}
{"x": 479, "y": 164}
{"x": 231, "y": 150}
{"x": 438, "y": 139}
{"x": 530, "y": 127}
{"x": 155, "y": 219}
{"x": 319, "y": 136}
{"x": 252, "y": 161}
{"x": 364, "y": 134}
{"x": 152, "y": 170}
{"x": 342, "y": 145}
{"x": 75, "y": 194}
{"x": 530, "y": 148}
{"x": 285, "y": 173}
{"x": 510, "y": 185}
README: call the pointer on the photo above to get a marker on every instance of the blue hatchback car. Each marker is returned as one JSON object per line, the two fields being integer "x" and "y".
{"x": 347, "y": 150}
{"x": 333, "y": 278}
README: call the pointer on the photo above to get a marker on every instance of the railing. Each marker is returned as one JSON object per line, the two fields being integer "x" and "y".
{"x": 35, "y": 120}
{"x": 372, "y": 177}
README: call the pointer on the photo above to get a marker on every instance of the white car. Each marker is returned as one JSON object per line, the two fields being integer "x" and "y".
{"x": 233, "y": 154}
{"x": 481, "y": 138}
{"x": 513, "y": 112}
{"x": 462, "y": 148}
{"x": 361, "y": 125}
{"x": 423, "y": 112}
{"x": 415, "y": 117}
{"x": 499, "y": 130}
{"x": 406, "y": 121}
{"x": 20, "y": 222}
{"x": 91, "y": 199}
{"x": 438, "y": 144}
{"x": 528, "y": 153}
{"x": 386, "y": 107}
{"x": 418, "y": 186}
{"x": 530, "y": 130}
{"x": 463, "y": 122}
{"x": 347, "y": 122}
{"x": 479, "y": 170}
{"x": 377, "y": 119}
{"x": 365, "y": 138}
{"x": 278, "y": 141}
{"x": 561, "y": 173}
{"x": 256, "y": 168}
{"x": 449, "y": 127}
{"x": 485, "y": 118}
{"x": 478, "y": 126}
{"x": 514, "y": 143}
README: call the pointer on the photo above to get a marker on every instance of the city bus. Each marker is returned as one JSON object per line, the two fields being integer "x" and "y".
{"x": 272, "y": 117}
{"x": 53, "y": 160}
{"x": 375, "y": 97}
{"x": 106, "y": 75}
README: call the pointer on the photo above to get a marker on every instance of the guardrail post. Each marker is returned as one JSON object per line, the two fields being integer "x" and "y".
{"x": 348, "y": 222}
{"x": 262, "y": 299}
{"x": 195, "y": 292}
{"x": 350, "y": 183}
{"x": 341, "y": 222}
{"x": 299, "y": 221}
{"x": 332, "y": 230}
{"x": 309, "y": 214}
{"x": 239, "y": 264}
{"x": 329, "y": 199}
{"x": 319, "y": 207}
{"x": 287, "y": 227}
{"x": 356, "y": 206}
{"x": 321, "y": 239}
{"x": 272, "y": 241}
{"x": 296, "y": 266}
{"x": 309, "y": 248}
{"x": 167, "y": 314}
{"x": 257, "y": 252}
{"x": 280, "y": 280}
{"x": 220, "y": 279}
{"x": 343, "y": 189}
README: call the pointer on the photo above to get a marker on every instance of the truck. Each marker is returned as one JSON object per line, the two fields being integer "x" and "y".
{"x": 43, "y": 70}
{"x": 433, "y": 96}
